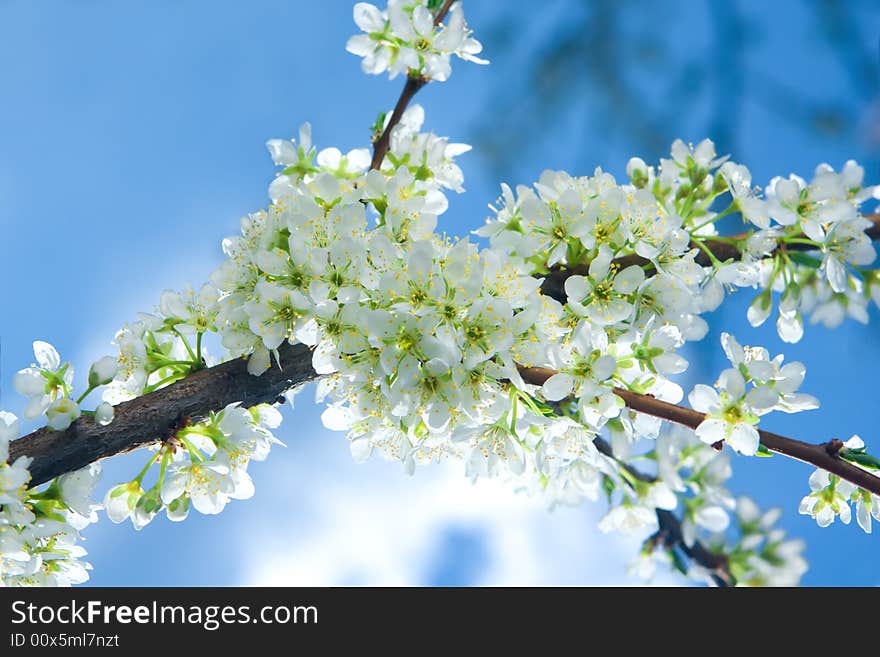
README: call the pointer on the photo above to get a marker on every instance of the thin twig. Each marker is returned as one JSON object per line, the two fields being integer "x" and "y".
{"x": 443, "y": 11}
{"x": 410, "y": 89}
{"x": 380, "y": 148}
{"x": 824, "y": 456}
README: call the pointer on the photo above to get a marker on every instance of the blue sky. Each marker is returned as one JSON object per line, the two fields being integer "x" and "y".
{"x": 131, "y": 141}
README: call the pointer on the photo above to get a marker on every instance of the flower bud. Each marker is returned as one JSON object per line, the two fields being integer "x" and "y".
{"x": 759, "y": 310}
{"x": 61, "y": 413}
{"x": 790, "y": 326}
{"x": 637, "y": 171}
{"x": 636, "y": 165}
{"x": 104, "y": 414}
{"x": 102, "y": 371}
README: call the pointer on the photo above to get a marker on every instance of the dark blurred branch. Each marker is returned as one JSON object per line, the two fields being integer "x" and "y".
{"x": 670, "y": 535}
{"x": 621, "y": 70}
{"x": 441, "y": 14}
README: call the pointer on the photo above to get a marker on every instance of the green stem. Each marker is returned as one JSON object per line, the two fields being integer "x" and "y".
{"x": 146, "y": 469}
{"x": 84, "y": 395}
{"x": 777, "y": 267}
{"x": 727, "y": 240}
{"x": 185, "y": 343}
{"x": 194, "y": 454}
{"x": 163, "y": 466}
{"x": 166, "y": 362}
{"x": 707, "y": 251}
{"x": 513, "y": 411}
{"x": 730, "y": 208}
{"x": 802, "y": 240}
{"x": 168, "y": 379}
{"x": 628, "y": 476}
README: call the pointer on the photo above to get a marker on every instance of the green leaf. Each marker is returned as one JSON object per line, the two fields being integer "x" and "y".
{"x": 608, "y": 486}
{"x": 378, "y": 126}
{"x": 804, "y": 259}
{"x": 763, "y": 451}
{"x": 861, "y": 458}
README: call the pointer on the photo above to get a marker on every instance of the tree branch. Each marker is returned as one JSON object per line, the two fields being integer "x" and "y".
{"x": 157, "y": 416}
{"x": 154, "y": 416}
{"x": 441, "y": 14}
{"x": 670, "y": 535}
{"x": 822, "y": 456}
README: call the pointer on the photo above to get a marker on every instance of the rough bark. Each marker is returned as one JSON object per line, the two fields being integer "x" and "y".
{"x": 157, "y": 415}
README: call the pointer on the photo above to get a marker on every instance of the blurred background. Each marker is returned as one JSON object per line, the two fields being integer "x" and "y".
{"x": 131, "y": 141}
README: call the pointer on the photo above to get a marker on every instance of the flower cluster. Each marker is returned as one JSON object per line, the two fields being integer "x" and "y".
{"x": 48, "y": 386}
{"x": 156, "y": 349}
{"x": 821, "y": 217}
{"x": 300, "y": 161}
{"x": 754, "y": 386}
{"x": 687, "y": 465}
{"x": 203, "y": 466}
{"x": 39, "y": 530}
{"x": 830, "y": 496}
{"x": 665, "y": 216}
{"x": 423, "y": 341}
{"x": 405, "y": 38}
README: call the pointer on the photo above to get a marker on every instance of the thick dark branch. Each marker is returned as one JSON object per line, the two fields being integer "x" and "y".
{"x": 410, "y": 89}
{"x": 153, "y": 417}
{"x": 822, "y": 456}
{"x": 157, "y": 415}
{"x": 554, "y": 282}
